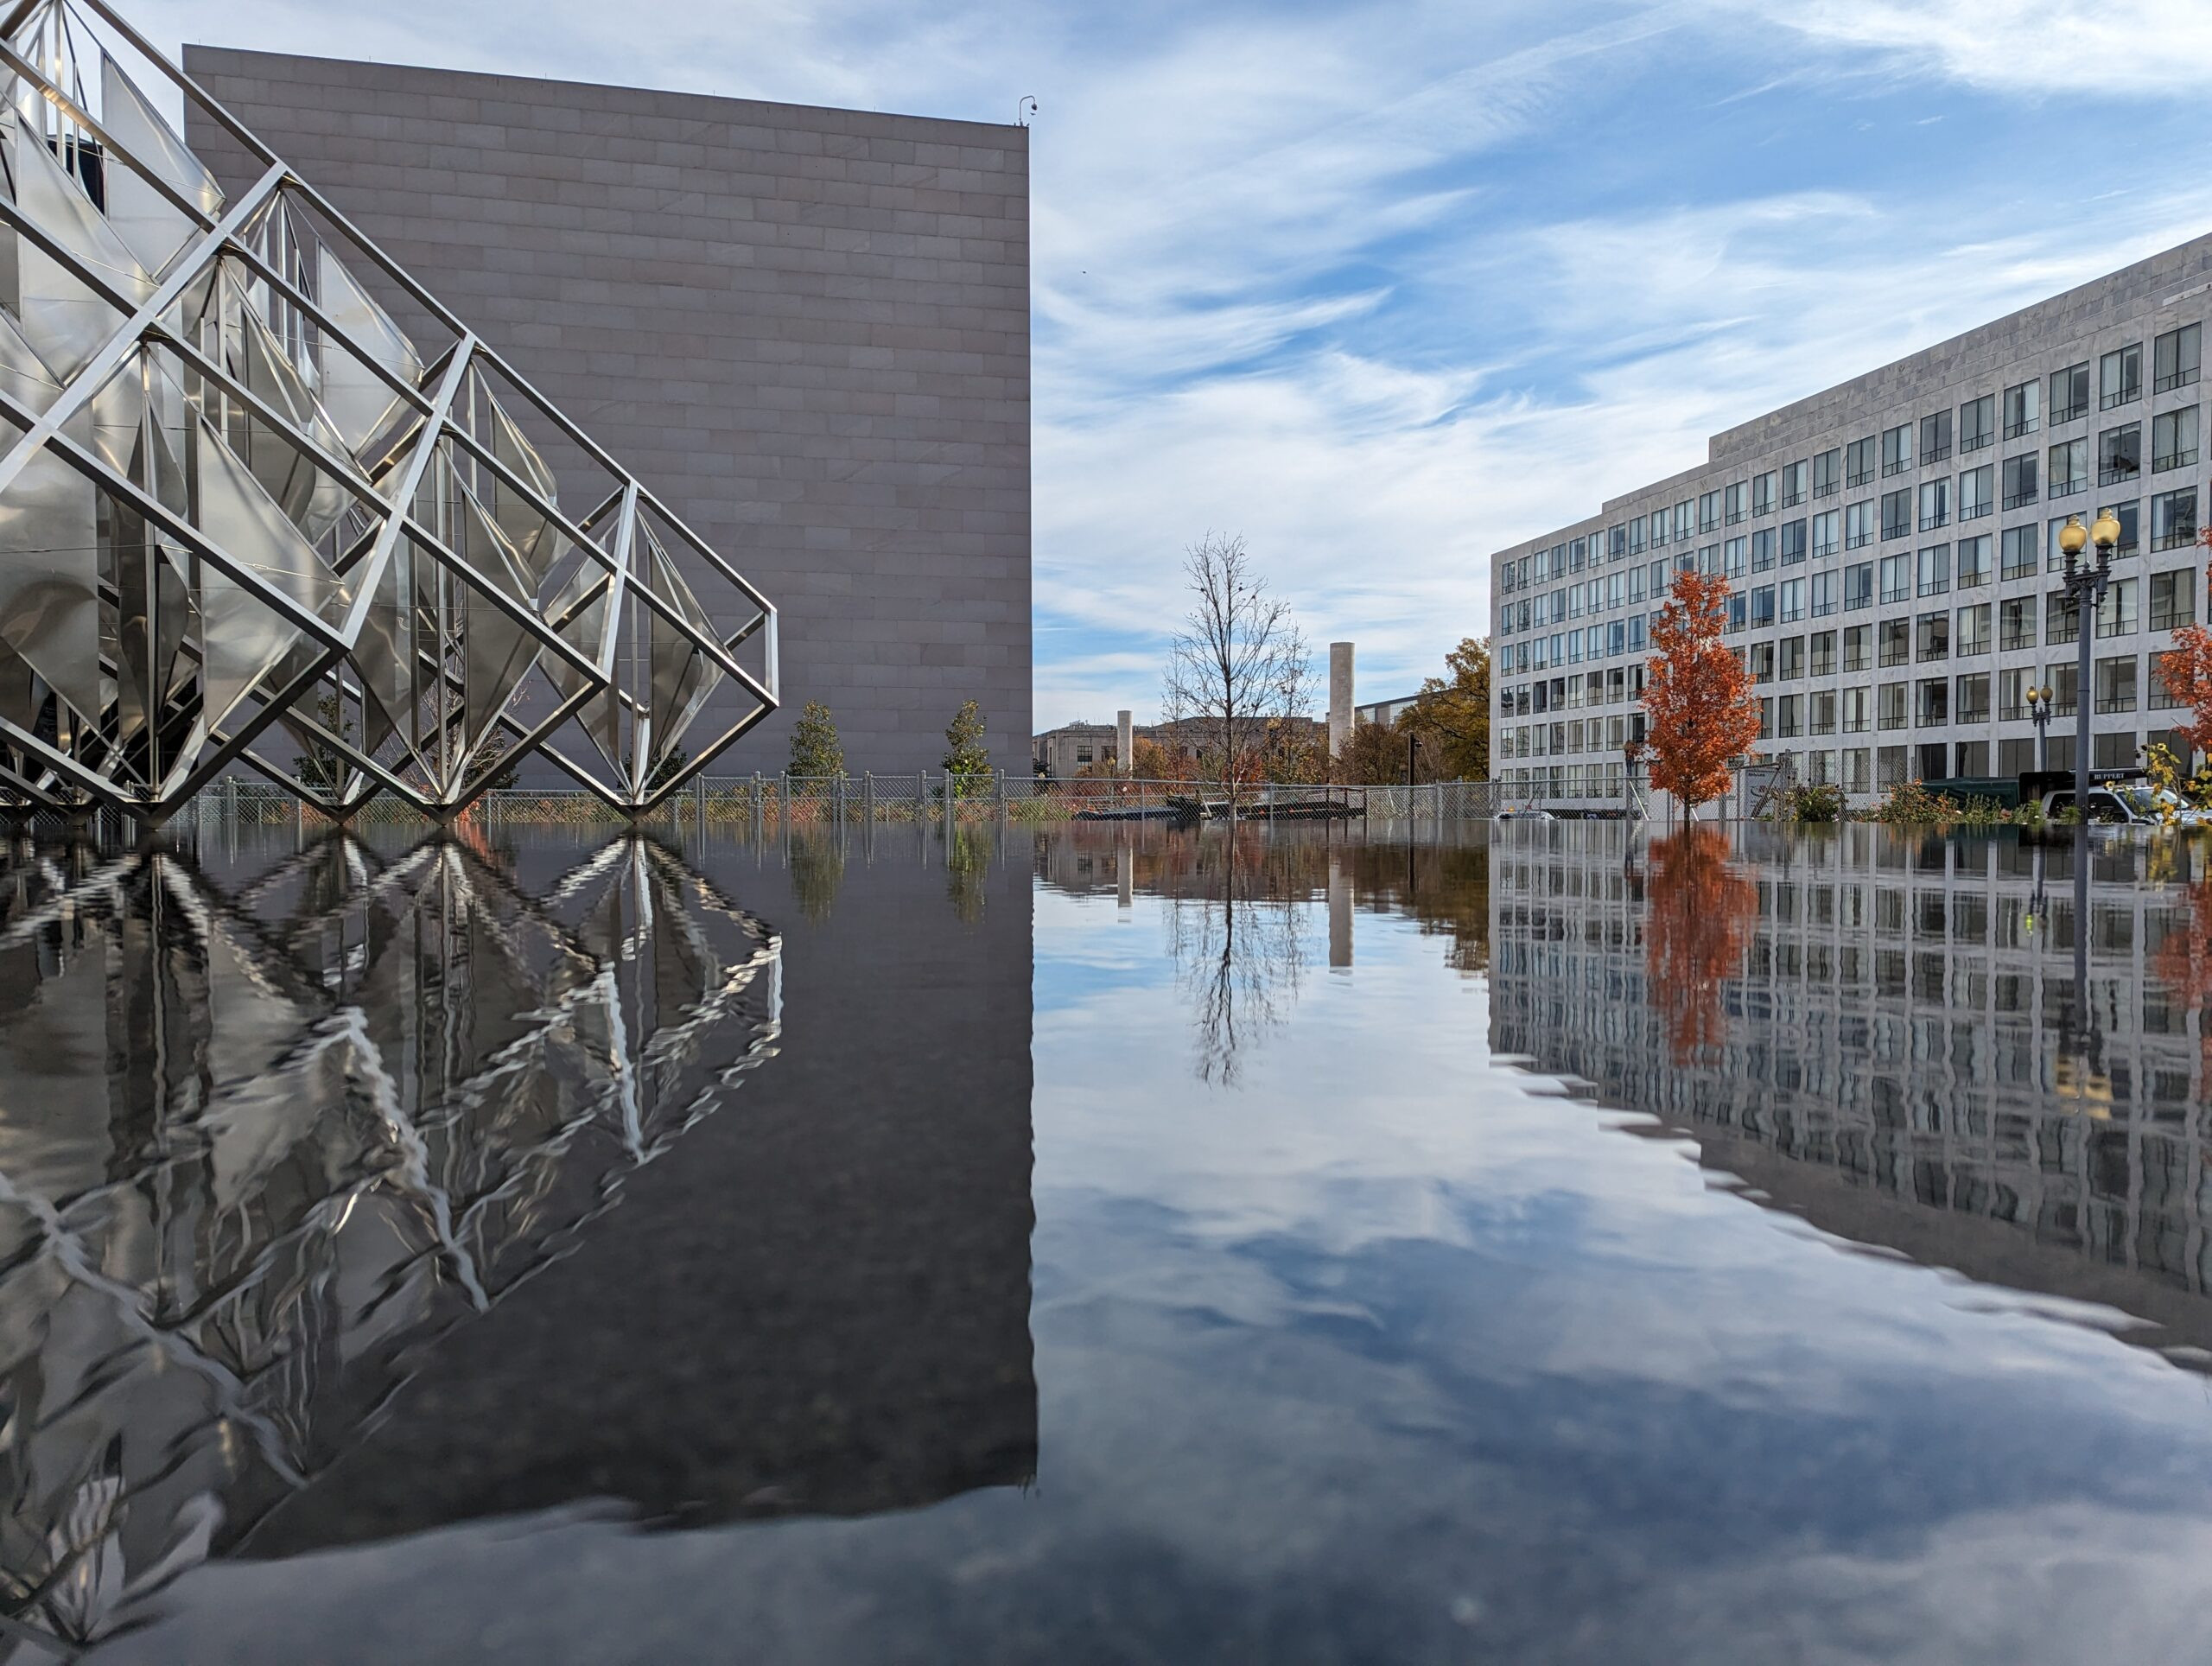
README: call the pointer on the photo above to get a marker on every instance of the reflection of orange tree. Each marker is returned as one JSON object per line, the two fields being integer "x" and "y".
{"x": 2183, "y": 962}
{"x": 1696, "y": 930}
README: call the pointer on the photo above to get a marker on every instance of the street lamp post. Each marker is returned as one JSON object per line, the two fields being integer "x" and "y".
{"x": 2085, "y": 588}
{"x": 2039, "y": 708}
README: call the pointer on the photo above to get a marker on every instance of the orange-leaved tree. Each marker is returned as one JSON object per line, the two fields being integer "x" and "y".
{"x": 2185, "y": 669}
{"x": 1698, "y": 711}
{"x": 1697, "y": 928}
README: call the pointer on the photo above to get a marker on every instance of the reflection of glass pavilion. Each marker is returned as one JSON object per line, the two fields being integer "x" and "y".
{"x": 1901, "y": 1062}
{"x": 260, "y": 1148}
{"x": 267, "y": 501}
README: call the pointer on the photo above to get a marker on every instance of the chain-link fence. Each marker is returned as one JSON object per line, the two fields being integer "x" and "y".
{"x": 928, "y": 794}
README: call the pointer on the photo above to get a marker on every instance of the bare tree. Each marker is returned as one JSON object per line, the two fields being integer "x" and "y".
{"x": 1238, "y": 667}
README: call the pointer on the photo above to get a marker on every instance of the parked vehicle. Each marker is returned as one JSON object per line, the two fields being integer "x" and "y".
{"x": 1527, "y": 813}
{"x": 2118, "y": 805}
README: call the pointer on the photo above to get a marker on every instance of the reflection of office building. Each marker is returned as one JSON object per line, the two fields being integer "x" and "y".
{"x": 1898, "y": 1059}
{"x": 1891, "y": 546}
{"x": 260, "y": 1146}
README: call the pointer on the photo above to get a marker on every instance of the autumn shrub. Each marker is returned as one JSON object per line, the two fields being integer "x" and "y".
{"x": 1813, "y": 804}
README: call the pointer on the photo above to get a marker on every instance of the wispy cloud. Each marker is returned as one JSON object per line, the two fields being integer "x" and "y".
{"x": 1385, "y": 288}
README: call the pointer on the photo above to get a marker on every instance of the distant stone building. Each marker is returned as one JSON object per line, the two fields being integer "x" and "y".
{"x": 1059, "y": 755}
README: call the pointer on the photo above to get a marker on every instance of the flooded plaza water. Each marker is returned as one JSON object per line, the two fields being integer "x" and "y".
{"x": 1544, "y": 1242}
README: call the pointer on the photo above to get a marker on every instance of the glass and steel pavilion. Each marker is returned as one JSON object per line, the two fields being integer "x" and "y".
{"x": 248, "y": 515}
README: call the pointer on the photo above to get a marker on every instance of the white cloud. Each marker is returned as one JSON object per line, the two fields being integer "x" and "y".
{"x": 2075, "y": 48}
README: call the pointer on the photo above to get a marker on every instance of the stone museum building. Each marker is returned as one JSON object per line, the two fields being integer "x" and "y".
{"x": 807, "y": 329}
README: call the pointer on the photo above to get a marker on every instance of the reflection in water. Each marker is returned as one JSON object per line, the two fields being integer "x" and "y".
{"x": 263, "y": 1143}
{"x": 1698, "y": 911}
{"x": 1235, "y": 918}
{"x": 1237, "y": 938}
{"x": 1879, "y": 1032}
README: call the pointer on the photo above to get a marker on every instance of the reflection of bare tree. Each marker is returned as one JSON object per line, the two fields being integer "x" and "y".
{"x": 257, "y": 1146}
{"x": 1237, "y": 941}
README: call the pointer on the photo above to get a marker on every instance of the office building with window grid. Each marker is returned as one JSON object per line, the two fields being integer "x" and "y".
{"x": 1892, "y": 552}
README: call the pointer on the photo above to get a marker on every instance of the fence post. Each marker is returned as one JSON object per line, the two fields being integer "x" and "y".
{"x": 759, "y": 804}
{"x": 867, "y": 796}
{"x": 841, "y": 798}
{"x": 999, "y": 777}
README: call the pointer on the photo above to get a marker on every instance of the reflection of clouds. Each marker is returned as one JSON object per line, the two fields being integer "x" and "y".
{"x": 1394, "y": 1355}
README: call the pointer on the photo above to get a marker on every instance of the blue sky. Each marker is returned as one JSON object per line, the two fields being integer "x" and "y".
{"x": 1385, "y": 288}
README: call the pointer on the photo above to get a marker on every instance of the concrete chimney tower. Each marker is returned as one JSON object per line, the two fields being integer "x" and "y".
{"x": 1124, "y": 747}
{"x": 1339, "y": 698}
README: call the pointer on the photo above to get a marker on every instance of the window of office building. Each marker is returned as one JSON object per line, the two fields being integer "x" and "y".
{"x": 1935, "y": 437}
{"x": 1732, "y": 503}
{"x": 1793, "y": 484}
{"x": 1791, "y": 592}
{"x": 1895, "y": 642}
{"x": 1820, "y": 717}
{"x": 1619, "y": 538}
{"x": 1858, "y": 523}
{"x": 2174, "y": 358}
{"x": 1857, "y": 711}
{"x": 2023, "y": 409}
{"x": 1934, "y": 569}
{"x": 2013, "y": 694}
{"x": 1932, "y": 706}
{"x": 1932, "y": 636}
{"x": 1763, "y": 492}
{"x": 2120, "y": 377}
{"x": 1822, "y": 647}
{"x": 2116, "y": 687}
{"x": 2020, "y": 548}
{"x": 1762, "y": 605}
{"x": 1792, "y": 658}
{"x": 1972, "y": 702}
{"x": 1893, "y": 705}
{"x": 1708, "y": 511}
{"x": 2117, "y": 613}
{"x": 1827, "y": 531}
{"x": 1971, "y": 566}
{"x": 1977, "y": 423}
{"x": 1896, "y": 448}
{"x": 1858, "y": 462}
{"x": 1935, "y": 503}
{"x": 2173, "y": 599}
{"x": 1657, "y": 522}
{"x": 1897, "y": 577}
{"x": 2070, "y": 392}
{"x": 1827, "y": 474}
{"x": 1858, "y": 647}
{"x": 1708, "y": 558}
{"x": 2173, "y": 518}
{"x": 1763, "y": 549}
{"x": 1823, "y": 592}
{"x": 2021, "y": 475}
{"x": 1761, "y": 662}
{"x": 1685, "y": 520}
{"x": 1789, "y": 717}
{"x": 1897, "y": 513}
{"x": 1859, "y": 585}
{"x": 1731, "y": 556}
{"x": 2061, "y": 623}
{"x": 1974, "y": 625}
{"x": 1976, "y": 492}
{"x": 2061, "y": 679}
{"x": 2173, "y": 439}
{"x": 2120, "y": 454}
{"x": 1793, "y": 543}
{"x": 2069, "y": 468}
